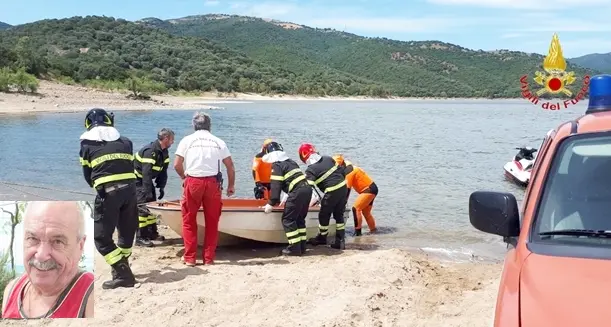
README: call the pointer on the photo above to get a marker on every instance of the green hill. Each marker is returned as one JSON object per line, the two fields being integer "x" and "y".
{"x": 108, "y": 49}
{"x": 4, "y": 26}
{"x": 595, "y": 61}
{"x": 429, "y": 68}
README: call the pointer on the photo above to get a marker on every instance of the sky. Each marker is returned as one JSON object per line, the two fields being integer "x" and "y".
{"x": 524, "y": 25}
{"x": 18, "y": 245}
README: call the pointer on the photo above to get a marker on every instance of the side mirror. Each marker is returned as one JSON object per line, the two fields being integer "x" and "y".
{"x": 495, "y": 213}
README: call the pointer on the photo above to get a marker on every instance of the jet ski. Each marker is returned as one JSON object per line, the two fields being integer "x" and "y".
{"x": 518, "y": 170}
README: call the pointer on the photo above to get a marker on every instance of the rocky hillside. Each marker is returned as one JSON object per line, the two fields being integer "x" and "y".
{"x": 430, "y": 68}
{"x": 596, "y": 61}
{"x": 114, "y": 50}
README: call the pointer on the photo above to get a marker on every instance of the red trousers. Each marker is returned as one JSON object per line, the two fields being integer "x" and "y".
{"x": 201, "y": 192}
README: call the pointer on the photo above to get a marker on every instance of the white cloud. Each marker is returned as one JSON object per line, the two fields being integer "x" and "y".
{"x": 211, "y": 3}
{"x": 522, "y": 4}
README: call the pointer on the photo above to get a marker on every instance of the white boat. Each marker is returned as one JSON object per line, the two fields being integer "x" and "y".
{"x": 240, "y": 219}
{"x": 518, "y": 170}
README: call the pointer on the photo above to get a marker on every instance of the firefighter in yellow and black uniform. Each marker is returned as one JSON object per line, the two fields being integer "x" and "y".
{"x": 151, "y": 164}
{"x": 287, "y": 176}
{"x": 108, "y": 167}
{"x": 324, "y": 173}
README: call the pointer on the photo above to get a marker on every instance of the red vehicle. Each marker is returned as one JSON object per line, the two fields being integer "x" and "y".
{"x": 557, "y": 269}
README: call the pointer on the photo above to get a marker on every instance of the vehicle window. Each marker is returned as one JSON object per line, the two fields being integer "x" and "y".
{"x": 547, "y": 140}
{"x": 577, "y": 193}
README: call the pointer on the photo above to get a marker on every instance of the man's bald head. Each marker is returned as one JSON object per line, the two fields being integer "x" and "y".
{"x": 54, "y": 239}
{"x": 71, "y": 210}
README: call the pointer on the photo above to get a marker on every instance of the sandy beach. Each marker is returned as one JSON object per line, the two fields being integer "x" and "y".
{"x": 256, "y": 287}
{"x": 57, "y": 97}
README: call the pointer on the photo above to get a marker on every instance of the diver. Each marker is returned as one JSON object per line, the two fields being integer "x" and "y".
{"x": 357, "y": 179}
{"x": 261, "y": 172}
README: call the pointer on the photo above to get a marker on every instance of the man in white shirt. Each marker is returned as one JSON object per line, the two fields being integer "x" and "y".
{"x": 198, "y": 163}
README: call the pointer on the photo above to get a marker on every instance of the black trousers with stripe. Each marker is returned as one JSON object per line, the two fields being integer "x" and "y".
{"x": 296, "y": 210}
{"x": 333, "y": 203}
{"x": 145, "y": 196}
{"x": 117, "y": 210}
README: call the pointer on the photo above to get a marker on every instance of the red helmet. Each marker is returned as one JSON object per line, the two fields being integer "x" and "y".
{"x": 305, "y": 150}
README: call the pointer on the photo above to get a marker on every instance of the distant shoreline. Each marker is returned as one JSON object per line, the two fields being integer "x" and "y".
{"x": 54, "y": 97}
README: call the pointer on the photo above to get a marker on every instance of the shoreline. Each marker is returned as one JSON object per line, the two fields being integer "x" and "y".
{"x": 359, "y": 287}
{"x": 55, "y": 97}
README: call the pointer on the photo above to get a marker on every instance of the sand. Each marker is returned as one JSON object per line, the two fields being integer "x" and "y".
{"x": 58, "y": 98}
{"x": 255, "y": 287}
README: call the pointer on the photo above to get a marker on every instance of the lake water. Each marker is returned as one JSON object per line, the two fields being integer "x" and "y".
{"x": 425, "y": 156}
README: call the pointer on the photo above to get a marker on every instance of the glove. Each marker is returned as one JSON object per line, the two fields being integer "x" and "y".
{"x": 161, "y": 194}
{"x": 101, "y": 193}
{"x": 267, "y": 208}
{"x": 259, "y": 191}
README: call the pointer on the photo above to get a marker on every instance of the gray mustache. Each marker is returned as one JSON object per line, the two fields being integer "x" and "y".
{"x": 46, "y": 265}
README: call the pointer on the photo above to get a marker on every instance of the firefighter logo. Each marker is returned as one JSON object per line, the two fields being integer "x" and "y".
{"x": 554, "y": 80}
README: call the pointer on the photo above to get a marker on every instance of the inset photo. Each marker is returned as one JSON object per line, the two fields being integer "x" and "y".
{"x": 46, "y": 259}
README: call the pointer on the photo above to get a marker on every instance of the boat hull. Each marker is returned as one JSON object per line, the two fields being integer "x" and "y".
{"x": 516, "y": 175}
{"x": 241, "y": 219}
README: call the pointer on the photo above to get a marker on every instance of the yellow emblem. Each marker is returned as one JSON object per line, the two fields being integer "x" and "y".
{"x": 555, "y": 79}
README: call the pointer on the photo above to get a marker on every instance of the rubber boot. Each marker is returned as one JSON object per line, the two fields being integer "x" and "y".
{"x": 303, "y": 246}
{"x": 122, "y": 276}
{"x": 154, "y": 233}
{"x": 142, "y": 237}
{"x": 292, "y": 250}
{"x": 340, "y": 240}
{"x": 318, "y": 240}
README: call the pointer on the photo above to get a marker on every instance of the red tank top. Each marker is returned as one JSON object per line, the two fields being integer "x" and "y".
{"x": 71, "y": 303}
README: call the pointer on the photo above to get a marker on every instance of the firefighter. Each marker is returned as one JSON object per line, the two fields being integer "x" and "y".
{"x": 261, "y": 172}
{"x": 286, "y": 176}
{"x": 151, "y": 164}
{"x": 108, "y": 167}
{"x": 359, "y": 180}
{"x": 324, "y": 173}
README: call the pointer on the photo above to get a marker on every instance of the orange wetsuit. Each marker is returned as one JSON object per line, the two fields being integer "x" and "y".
{"x": 262, "y": 172}
{"x": 357, "y": 179}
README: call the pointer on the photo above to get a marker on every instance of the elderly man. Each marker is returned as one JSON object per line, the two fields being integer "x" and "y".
{"x": 52, "y": 285}
{"x": 151, "y": 165}
{"x": 198, "y": 163}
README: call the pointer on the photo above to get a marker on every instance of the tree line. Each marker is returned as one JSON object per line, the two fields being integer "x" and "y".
{"x": 249, "y": 55}
{"x": 115, "y": 52}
